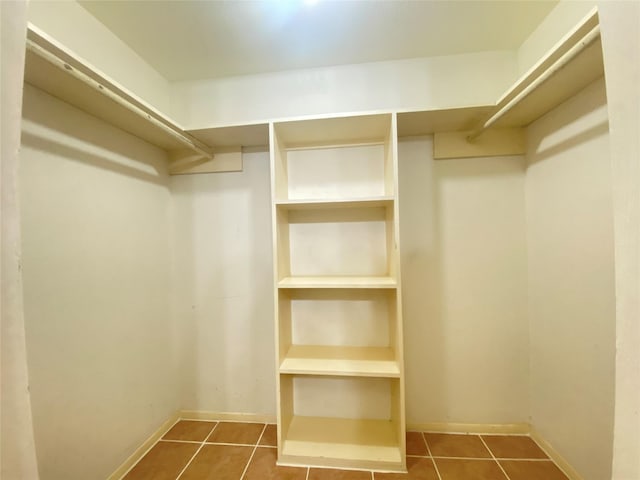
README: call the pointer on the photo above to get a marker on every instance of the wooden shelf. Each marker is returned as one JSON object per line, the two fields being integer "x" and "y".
{"x": 346, "y": 443}
{"x": 385, "y": 201}
{"x": 426, "y": 122}
{"x": 338, "y": 282}
{"x": 342, "y": 361}
{"x": 349, "y": 130}
{"x": 57, "y": 71}
{"x": 583, "y": 70}
{"x": 571, "y": 65}
{"x": 566, "y": 69}
{"x": 254, "y": 135}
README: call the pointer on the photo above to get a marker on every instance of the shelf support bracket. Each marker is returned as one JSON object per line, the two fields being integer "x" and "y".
{"x": 493, "y": 143}
{"x": 183, "y": 162}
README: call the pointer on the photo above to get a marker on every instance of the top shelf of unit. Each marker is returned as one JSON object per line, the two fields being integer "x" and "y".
{"x": 335, "y": 131}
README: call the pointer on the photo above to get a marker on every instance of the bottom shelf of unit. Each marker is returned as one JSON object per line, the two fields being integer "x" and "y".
{"x": 339, "y": 442}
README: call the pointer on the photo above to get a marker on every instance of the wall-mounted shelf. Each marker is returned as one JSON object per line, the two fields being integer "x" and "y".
{"x": 51, "y": 67}
{"x": 572, "y": 64}
{"x": 253, "y": 135}
{"x": 426, "y": 122}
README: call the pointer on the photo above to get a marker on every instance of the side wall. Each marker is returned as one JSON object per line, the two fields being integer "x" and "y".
{"x": 464, "y": 287}
{"x": 17, "y": 456}
{"x": 621, "y": 44}
{"x": 95, "y": 225}
{"x": 571, "y": 281}
{"x": 222, "y": 288}
{"x": 463, "y": 243}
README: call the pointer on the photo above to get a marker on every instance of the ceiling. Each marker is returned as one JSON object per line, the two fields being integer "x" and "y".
{"x": 191, "y": 40}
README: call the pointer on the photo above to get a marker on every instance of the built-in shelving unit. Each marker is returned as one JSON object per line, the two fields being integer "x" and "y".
{"x": 337, "y": 292}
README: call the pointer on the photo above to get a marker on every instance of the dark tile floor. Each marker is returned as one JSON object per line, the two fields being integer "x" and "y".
{"x": 200, "y": 450}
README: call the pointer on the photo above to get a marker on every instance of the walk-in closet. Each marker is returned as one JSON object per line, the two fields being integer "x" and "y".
{"x": 320, "y": 240}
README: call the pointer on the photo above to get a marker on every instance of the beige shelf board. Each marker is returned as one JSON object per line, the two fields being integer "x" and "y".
{"x": 248, "y": 136}
{"x": 341, "y": 361}
{"x": 567, "y": 68}
{"x": 583, "y": 70}
{"x": 338, "y": 282}
{"x": 338, "y": 203}
{"x": 57, "y": 71}
{"x": 426, "y": 122}
{"x": 343, "y": 443}
{"x": 353, "y": 130}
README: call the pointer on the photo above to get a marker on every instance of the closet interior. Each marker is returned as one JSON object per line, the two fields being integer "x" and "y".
{"x": 298, "y": 257}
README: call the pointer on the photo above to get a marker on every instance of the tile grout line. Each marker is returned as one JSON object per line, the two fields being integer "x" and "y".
{"x": 178, "y": 441}
{"x": 487, "y": 459}
{"x": 197, "y": 451}
{"x": 433, "y": 460}
{"x": 494, "y": 457}
{"x": 246, "y": 467}
{"x": 239, "y": 444}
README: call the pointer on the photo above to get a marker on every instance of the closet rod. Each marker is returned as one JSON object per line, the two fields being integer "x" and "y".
{"x": 187, "y": 141}
{"x": 587, "y": 40}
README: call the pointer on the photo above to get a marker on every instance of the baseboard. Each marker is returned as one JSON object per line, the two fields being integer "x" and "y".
{"x": 499, "y": 428}
{"x": 144, "y": 448}
{"x": 562, "y": 464}
{"x": 226, "y": 416}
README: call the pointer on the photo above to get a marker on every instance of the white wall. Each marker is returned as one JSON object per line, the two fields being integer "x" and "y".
{"x": 464, "y": 287}
{"x": 571, "y": 283}
{"x": 560, "y": 20}
{"x": 223, "y": 288}
{"x": 95, "y": 225}
{"x": 621, "y": 45}
{"x": 414, "y": 84}
{"x": 75, "y": 28}
{"x": 463, "y": 244}
{"x": 17, "y": 449}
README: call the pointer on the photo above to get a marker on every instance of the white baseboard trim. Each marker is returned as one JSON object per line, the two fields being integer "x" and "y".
{"x": 489, "y": 428}
{"x": 141, "y": 451}
{"x": 226, "y": 416}
{"x": 559, "y": 460}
